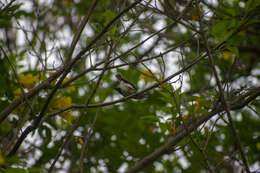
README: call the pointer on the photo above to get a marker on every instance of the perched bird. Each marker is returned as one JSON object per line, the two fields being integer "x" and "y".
{"x": 125, "y": 87}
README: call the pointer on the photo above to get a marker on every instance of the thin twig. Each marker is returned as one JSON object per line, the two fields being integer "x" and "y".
{"x": 80, "y": 28}
{"x": 85, "y": 144}
{"x": 7, "y": 6}
{"x": 192, "y": 125}
{"x": 65, "y": 70}
{"x": 222, "y": 96}
{"x": 18, "y": 80}
{"x": 75, "y": 125}
{"x": 95, "y": 68}
{"x": 205, "y": 157}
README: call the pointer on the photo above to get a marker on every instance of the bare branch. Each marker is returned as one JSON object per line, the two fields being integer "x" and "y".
{"x": 221, "y": 90}
{"x": 192, "y": 125}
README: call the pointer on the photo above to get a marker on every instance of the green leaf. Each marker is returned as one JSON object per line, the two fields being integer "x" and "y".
{"x": 16, "y": 170}
{"x": 178, "y": 96}
{"x": 164, "y": 126}
{"x": 150, "y": 118}
{"x": 35, "y": 170}
{"x": 46, "y": 133}
{"x": 251, "y": 5}
{"x": 108, "y": 15}
{"x": 234, "y": 50}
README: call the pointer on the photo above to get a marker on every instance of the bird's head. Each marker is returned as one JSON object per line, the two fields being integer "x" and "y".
{"x": 119, "y": 76}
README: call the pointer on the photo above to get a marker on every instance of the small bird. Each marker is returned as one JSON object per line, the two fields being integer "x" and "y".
{"x": 125, "y": 87}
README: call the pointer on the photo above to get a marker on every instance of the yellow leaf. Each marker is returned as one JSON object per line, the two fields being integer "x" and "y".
{"x": 65, "y": 80}
{"x": 28, "y": 80}
{"x": 147, "y": 76}
{"x": 227, "y": 55}
{"x": 69, "y": 87}
{"x": 258, "y": 146}
{"x": 2, "y": 159}
{"x": 173, "y": 130}
{"x": 185, "y": 117}
{"x": 150, "y": 129}
{"x": 67, "y": 116}
{"x": 61, "y": 102}
{"x": 199, "y": 105}
{"x": 200, "y": 101}
{"x": 40, "y": 76}
{"x": 195, "y": 14}
{"x": 80, "y": 140}
{"x": 17, "y": 92}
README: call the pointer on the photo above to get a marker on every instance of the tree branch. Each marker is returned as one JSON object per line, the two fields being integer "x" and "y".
{"x": 221, "y": 90}
{"x": 192, "y": 125}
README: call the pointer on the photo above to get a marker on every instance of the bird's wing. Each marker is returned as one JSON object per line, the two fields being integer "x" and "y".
{"x": 120, "y": 78}
{"x": 126, "y": 81}
{"x": 127, "y": 87}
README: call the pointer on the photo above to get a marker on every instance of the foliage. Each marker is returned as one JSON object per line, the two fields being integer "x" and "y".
{"x": 60, "y": 113}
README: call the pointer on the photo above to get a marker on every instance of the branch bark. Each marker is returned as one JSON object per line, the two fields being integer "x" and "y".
{"x": 191, "y": 125}
{"x": 64, "y": 71}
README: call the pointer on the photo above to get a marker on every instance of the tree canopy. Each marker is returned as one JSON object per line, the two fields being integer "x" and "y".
{"x": 191, "y": 103}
